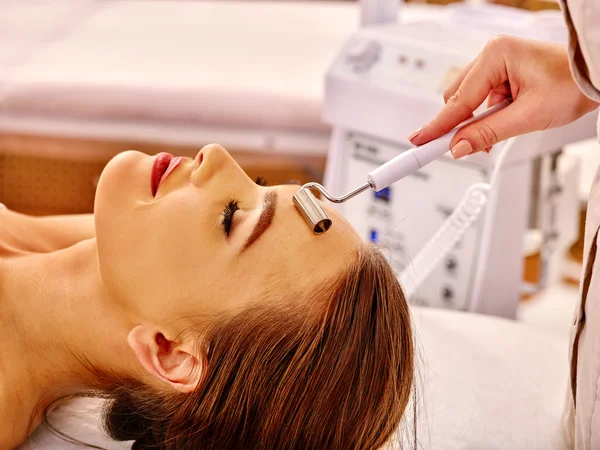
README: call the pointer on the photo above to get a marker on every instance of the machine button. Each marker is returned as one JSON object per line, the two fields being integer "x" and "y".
{"x": 419, "y": 63}
{"x": 447, "y": 294}
{"x": 374, "y": 236}
{"x": 384, "y": 194}
{"x": 451, "y": 264}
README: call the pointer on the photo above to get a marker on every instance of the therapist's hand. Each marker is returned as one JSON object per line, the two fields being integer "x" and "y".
{"x": 535, "y": 74}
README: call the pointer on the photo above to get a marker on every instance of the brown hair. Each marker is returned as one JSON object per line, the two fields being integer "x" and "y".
{"x": 283, "y": 379}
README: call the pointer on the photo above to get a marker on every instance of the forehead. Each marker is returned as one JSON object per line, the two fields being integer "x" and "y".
{"x": 341, "y": 232}
{"x": 290, "y": 250}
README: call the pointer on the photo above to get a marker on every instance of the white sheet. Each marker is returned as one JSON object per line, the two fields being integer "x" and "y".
{"x": 488, "y": 384}
{"x": 218, "y": 63}
{"x": 27, "y": 25}
{"x": 243, "y": 63}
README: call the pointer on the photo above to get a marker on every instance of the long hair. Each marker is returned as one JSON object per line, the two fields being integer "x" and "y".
{"x": 283, "y": 378}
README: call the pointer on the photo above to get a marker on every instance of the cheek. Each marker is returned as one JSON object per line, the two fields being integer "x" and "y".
{"x": 162, "y": 253}
{"x": 181, "y": 232}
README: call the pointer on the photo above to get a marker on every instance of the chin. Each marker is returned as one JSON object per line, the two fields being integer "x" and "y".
{"x": 124, "y": 182}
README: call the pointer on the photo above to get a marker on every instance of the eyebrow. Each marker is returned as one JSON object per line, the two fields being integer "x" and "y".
{"x": 265, "y": 219}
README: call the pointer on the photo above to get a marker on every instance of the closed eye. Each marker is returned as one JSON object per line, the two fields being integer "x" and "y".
{"x": 228, "y": 212}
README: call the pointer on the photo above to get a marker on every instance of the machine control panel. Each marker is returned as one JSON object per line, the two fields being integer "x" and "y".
{"x": 382, "y": 71}
{"x": 403, "y": 217}
{"x": 392, "y": 63}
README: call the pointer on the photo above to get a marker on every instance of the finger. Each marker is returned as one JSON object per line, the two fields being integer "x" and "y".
{"x": 452, "y": 87}
{"x": 449, "y": 92}
{"x": 511, "y": 121}
{"x": 495, "y": 98}
{"x": 499, "y": 93}
{"x": 471, "y": 93}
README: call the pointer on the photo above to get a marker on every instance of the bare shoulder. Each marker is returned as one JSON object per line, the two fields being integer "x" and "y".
{"x": 14, "y": 239}
{"x": 21, "y": 234}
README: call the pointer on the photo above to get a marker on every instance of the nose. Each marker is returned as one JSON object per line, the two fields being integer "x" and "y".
{"x": 214, "y": 161}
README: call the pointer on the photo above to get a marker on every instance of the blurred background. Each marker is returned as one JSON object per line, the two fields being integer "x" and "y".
{"x": 81, "y": 81}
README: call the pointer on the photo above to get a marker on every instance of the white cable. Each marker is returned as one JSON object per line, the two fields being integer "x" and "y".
{"x": 445, "y": 239}
{"x": 451, "y": 232}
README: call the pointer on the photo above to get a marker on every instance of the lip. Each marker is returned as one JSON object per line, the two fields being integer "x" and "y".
{"x": 164, "y": 165}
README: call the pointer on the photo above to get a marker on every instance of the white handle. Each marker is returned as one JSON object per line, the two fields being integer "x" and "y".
{"x": 417, "y": 157}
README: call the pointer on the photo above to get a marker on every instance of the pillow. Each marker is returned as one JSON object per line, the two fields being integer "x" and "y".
{"x": 78, "y": 419}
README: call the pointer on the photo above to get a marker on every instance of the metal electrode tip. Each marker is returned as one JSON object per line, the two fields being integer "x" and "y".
{"x": 312, "y": 211}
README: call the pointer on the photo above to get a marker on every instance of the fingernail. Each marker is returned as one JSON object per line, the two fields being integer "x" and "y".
{"x": 415, "y": 134}
{"x": 462, "y": 148}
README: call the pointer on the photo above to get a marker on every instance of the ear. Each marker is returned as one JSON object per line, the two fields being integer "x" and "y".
{"x": 171, "y": 362}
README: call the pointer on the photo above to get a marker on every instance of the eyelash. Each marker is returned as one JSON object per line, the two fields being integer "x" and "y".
{"x": 233, "y": 206}
{"x": 228, "y": 212}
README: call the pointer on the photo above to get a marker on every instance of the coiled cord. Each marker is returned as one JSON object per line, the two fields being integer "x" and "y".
{"x": 445, "y": 239}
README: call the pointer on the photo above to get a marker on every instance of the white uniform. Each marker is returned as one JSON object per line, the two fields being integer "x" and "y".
{"x": 582, "y": 418}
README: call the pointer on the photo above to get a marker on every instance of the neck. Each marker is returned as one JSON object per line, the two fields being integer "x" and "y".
{"x": 56, "y": 328}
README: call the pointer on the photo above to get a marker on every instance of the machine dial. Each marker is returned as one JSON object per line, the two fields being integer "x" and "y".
{"x": 363, "y": 54}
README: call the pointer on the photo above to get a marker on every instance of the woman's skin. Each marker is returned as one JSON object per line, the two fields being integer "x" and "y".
{"x": 121, "y": 291}
{"x": 21, "y": 234}
{"x": 535, "y": 74}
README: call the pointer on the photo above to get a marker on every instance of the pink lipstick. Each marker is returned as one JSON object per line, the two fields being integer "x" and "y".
{"x": 164, "y": 165}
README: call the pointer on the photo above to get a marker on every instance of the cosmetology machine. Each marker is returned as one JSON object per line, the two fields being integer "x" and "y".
{"x": 388, "y": 80}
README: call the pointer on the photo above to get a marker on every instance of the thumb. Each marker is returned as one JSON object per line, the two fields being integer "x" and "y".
{"x": 514, "y": 120}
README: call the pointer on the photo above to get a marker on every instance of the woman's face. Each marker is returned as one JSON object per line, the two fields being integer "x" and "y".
{"x": 209, "y": 240}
